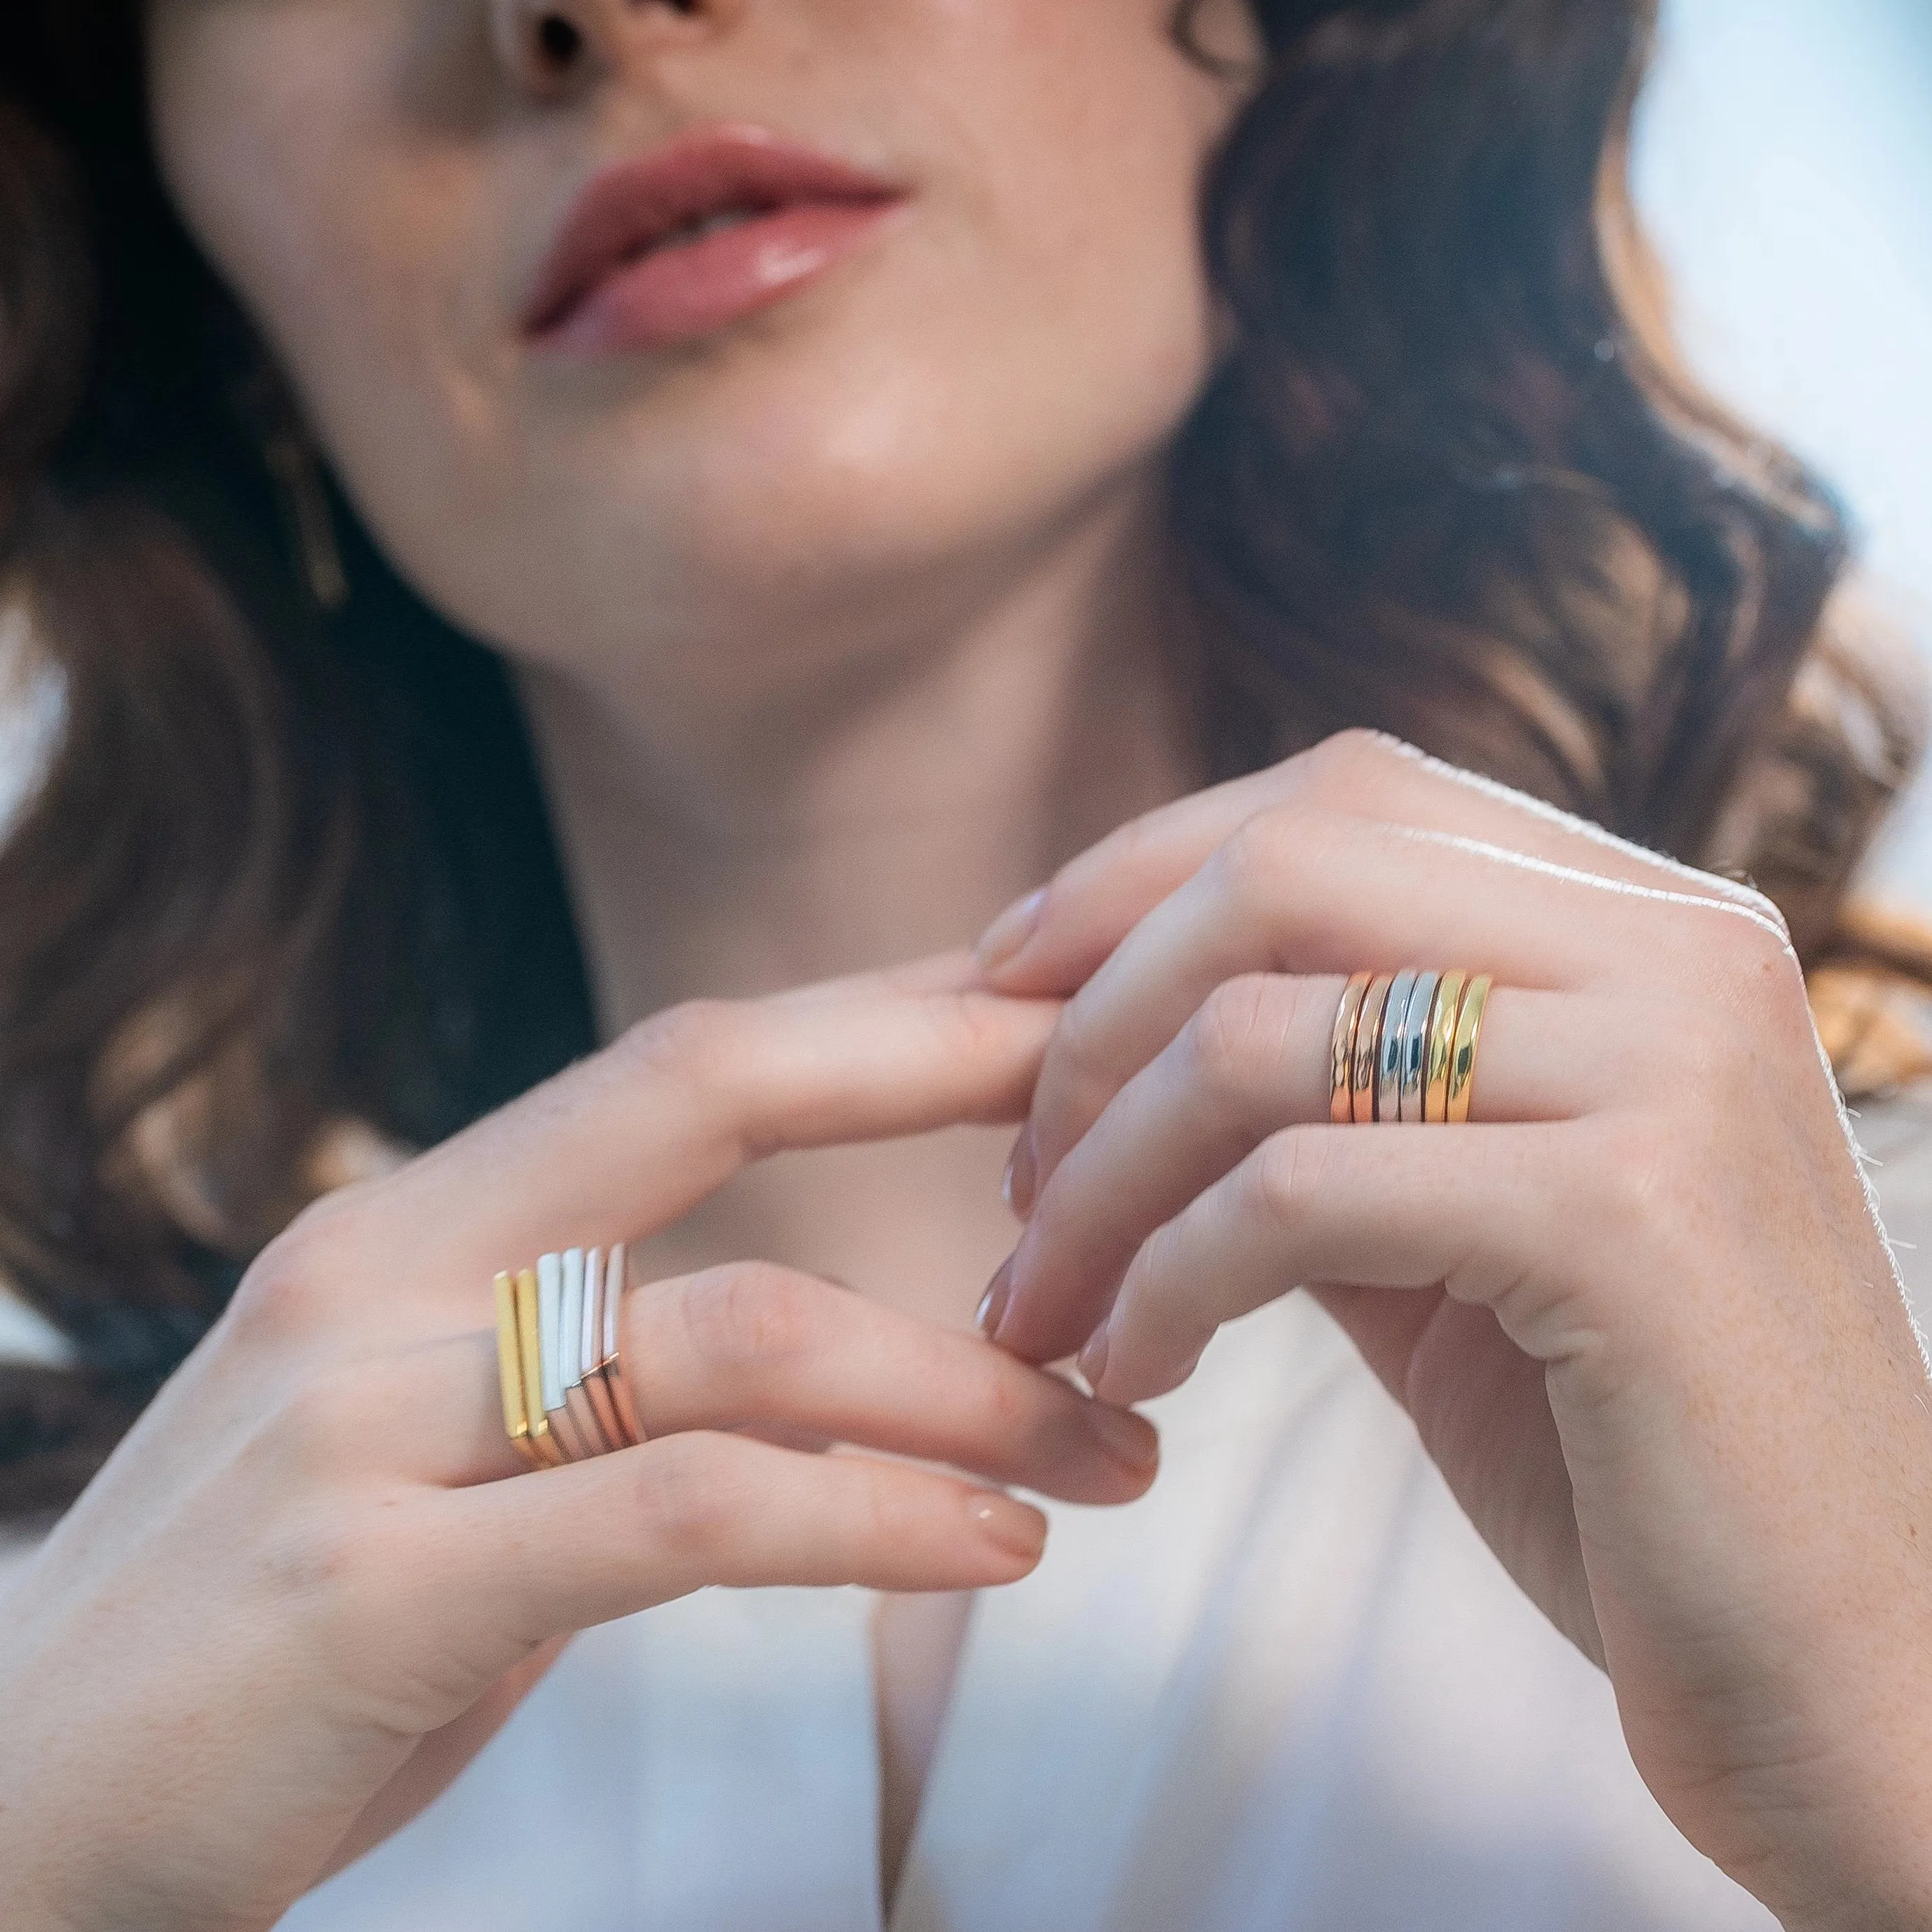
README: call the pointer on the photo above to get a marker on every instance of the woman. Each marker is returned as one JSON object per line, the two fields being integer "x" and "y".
{"x": 825, "y": 412}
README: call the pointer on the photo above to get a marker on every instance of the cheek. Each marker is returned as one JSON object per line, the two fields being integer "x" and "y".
{"x": 1036, "y": 326}
{"x": 357, "y": 240}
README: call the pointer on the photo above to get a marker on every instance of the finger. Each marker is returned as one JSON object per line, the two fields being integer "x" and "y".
{"x": 1055, "y": 943}
{"x": 1253, "y": 1060}
{"x": 737, "y": 1347}
{"x": 629, "y": 1140}
{"x": 580, "y": 1546}
{"x": 1308, "y": 893}
{"x": 1480, "y": 1213}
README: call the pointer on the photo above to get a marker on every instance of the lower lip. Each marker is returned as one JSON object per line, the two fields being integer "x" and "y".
{"x": 680, "y": 294}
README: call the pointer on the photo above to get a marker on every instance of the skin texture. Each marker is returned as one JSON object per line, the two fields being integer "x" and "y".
{"x": 330, "y": 1470}
{"x": 1640, "y": 1310}
{"x": 835, "y": 630}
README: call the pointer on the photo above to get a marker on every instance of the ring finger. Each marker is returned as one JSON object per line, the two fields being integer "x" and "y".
{"x": 1315, "y": 892}
{"x": 737, "y": 1347}
{"x": 1254, "y": 1059}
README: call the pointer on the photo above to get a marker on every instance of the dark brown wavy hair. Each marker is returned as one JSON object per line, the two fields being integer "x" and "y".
{"x": 1450, "y": 482}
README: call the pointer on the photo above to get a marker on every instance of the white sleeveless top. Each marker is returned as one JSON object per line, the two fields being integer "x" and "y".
{"x": 1290, "y": 1690}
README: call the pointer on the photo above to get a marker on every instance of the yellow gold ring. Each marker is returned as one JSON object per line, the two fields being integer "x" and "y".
{"x": 1442, "y": 1045}
{"x": 1403, "y": 1047}
{"x": 565, "y": 1396}
{"x": 1462, "y": 1056}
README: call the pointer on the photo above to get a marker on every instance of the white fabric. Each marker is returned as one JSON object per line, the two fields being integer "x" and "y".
{"x": 1289, "y": 1691}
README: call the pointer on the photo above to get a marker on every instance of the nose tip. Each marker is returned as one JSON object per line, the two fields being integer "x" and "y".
{"x": 549, "y": 49}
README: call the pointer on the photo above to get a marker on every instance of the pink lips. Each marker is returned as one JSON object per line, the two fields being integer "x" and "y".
{"x": 718, "y": 224}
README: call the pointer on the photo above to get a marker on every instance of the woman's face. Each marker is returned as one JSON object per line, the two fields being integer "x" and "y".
{"x": 986, "y": 333}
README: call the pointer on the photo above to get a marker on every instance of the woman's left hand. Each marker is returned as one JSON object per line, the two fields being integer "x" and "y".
{"x": 1641, "y": 1311}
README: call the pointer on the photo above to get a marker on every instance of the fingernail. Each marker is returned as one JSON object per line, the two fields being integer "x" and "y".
{"x": 993, "y": 1309}
{"x": 1008, "y": 1525}
{"x": 1018, "y": 1186}
{"x": 1127, "y": 1438}
{"x": 1005, "y": 938}
{"x": 1093, "y": 1358}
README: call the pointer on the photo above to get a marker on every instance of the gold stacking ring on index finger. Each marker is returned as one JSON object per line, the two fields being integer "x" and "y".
{"x": 1404, "y": 1046}
{"x": 566, "y": 1397}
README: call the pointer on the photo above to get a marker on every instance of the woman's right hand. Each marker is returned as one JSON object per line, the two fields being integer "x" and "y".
{"x": 316, "y": 1577}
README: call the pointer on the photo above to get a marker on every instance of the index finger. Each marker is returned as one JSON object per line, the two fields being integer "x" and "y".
{"x": 629, "y": 1140}
{"x": 1054, "y": 942}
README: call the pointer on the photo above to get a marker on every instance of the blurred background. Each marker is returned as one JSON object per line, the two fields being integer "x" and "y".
{"x": 1784, "y": 161}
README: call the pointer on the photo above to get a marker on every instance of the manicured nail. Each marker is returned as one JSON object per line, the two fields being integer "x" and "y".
{"x": 1005, "y": 938}
{"x": 1008, "y": 1525}
{"x": 993, "y": 1309}
{"x": 1018, "y": 1186}
{"x": 1130, "y": 1441}
{"x": 1093, "y": 1358}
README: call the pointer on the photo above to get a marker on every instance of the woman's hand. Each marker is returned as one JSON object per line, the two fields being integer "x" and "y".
{"x": 1643, "y": 1314}
{"x": 317, "y": 1577}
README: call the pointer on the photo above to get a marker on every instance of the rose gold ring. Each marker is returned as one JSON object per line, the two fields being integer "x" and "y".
{"x": 1341, "y": 1051}
{"x": 1404, "y": 1046}
{"x": 559, "y": 1363}
{"x": 1368, "y": 1050}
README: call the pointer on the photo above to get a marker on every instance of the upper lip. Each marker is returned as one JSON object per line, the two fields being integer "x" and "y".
{"x": 632, "y": 207}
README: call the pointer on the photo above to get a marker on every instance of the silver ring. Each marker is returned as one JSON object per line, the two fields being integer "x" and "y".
{"x": 1415, "y": 1044}
{"x": 1388, "y": 1075}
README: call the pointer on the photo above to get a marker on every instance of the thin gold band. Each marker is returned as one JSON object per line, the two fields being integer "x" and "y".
{"x": 510, "y": 1371}
{"x": 530, "y": 1337}
{"x": 1462, "y": 1057}
{"x": 1442, "y": 1045}
{"x": 566, "y": 1397}
{"x": 1403, "y": 1047}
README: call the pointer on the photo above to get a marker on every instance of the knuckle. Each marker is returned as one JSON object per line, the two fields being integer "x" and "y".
{"x": 1642, "y": 1182}
{"x": 1278, "y": 851}
{"x": 1075, "y": 1083}
{"x": 750, "y": 1317}
{"x": 1005, "y": 1398}
{"x": 686, "y": 1497}
{"x": 1337, "y": 768}
{"x": 696, "y": 1042}
{"x": 979, "y": 1030}
{"x": 879, "y": 1508}
{"x": 283, "y": 1297}
{"x": 1259, "y": 849}
{"x": 1284, "y": 1173}
{"x": 1241, "y": 1021}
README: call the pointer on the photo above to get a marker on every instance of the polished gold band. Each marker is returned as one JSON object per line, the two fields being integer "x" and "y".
{"x": 1441, "y": 1045}
{"x": 1403, "y": 1047}
{"x": 1462, "y": 1056}
{"x": 566, "y": 1397}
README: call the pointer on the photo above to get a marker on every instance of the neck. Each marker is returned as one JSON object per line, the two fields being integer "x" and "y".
{"x": 731, "y": 849}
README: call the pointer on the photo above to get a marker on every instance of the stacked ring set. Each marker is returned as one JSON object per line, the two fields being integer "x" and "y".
{"x": 558, "y": 1348}
{"x": 1404, "y": 1048}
